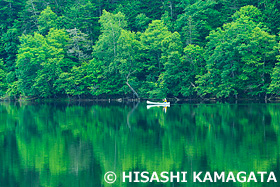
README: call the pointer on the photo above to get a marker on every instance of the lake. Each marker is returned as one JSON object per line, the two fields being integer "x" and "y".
{"x": 75, "y": 144}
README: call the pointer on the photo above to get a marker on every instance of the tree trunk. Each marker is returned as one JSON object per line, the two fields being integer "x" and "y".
{"x": 132, "y": 89}
{"x": 99, "y": 8}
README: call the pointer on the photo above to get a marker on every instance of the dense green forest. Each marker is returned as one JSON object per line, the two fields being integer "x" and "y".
{"x": 146, "y": 48}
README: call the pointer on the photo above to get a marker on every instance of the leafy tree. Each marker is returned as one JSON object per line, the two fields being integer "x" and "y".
{"x": 47, "y": 20}
{"x": 172, "y": 56}
{"x": 275, "y": 80}
{"x": 29, "y": 16}
{"x": 9, "y": 43}
{"x": 111, "y": 25}
{"x": 197, "y": 20}
{"x": 209, "y": 48}
{"x": 191, "y": 32}
{"x": 101, "y": 85}
{"x": 239, "y": 57}
{"x": 152, "y": 47}
{"x": 3, "y": 82}
{"x": 9, "y": 13}
{"x": 40, "y": 61}
{"x": 83, "y": 16}
{"x": 193, "y": 59}
{"x": 274, "y": 87}
{"x": 271, "y": 14}
{"x": 167, "y": 20}
{"x": 78, "y": 45}
{"x": 142, "y": 22}
{"x": 131, "y": 10}
{"x": 153, "y": 9}
{"x": 182, "y": 68}
{"x": 128, "y": 63}
{"x": 106, "y": 50}
{"x": 77, "y": 82}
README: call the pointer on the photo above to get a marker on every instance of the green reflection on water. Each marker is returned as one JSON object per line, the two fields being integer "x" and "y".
{"x": 75, "y": 145}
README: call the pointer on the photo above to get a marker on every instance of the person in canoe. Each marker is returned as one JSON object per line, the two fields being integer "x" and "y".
{"x": 164, "y": 100}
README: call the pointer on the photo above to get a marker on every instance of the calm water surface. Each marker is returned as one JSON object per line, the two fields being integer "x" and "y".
{"x": 62, "y": 144}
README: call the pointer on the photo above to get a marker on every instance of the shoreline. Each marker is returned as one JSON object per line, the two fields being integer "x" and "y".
{"x": 133, "y": 100}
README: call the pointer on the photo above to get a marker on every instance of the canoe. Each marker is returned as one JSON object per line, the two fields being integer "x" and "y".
{"x": 156, "y": 103}
{"x": 151, "y": 106}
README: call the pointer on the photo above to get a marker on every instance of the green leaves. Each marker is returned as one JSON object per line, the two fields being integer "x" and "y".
{"x": 47, "y": 20}
{"x": 197, "y": 20}
{"x": 155, "y": 43}
{"x": 39, "y": 62}
{"x": 107, "y": 51}
{"x": 171, "y": 48}
{"x": 78, "y": 45}
{"x": 274, "y": 87}
{"x": 3, "y": 82}
{"x": 152, "y": 45}
{"x": 83, "y": 16}
{"x": 251, "y": 12}
{"x": 111, "y": 26}
{"x": 239, "y": 57}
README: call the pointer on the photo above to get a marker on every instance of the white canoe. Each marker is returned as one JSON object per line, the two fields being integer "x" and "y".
{"x": 151, "y": 106}
{"x": 156, "y": 103}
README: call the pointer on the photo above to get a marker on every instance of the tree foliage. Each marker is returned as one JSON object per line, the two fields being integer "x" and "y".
{"x": 176, "y": 48}
{"x": 40, "y": 60}
{"x": 239, "y": 57}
